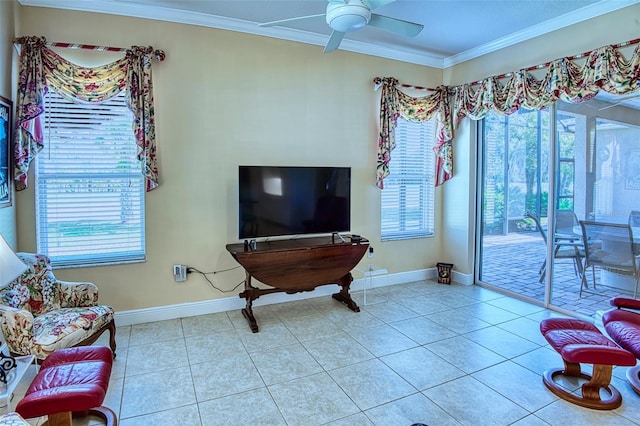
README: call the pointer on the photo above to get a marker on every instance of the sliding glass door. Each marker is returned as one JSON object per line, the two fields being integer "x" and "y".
{"x": 604, "y": 185}
{"x": 515, "y": 188}
{"x": 541, "y": 173}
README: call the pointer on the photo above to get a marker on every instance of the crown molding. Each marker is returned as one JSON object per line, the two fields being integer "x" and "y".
{"x": 219, "y": 22}
{"x": 580, "y": 15}
{"x": 415, "y": 56}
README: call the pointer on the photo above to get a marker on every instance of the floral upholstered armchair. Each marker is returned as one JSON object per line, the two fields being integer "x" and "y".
{"x": 39, "y": 314}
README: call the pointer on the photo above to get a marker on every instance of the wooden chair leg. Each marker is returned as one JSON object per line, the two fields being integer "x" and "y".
{"x": 112, "y": 337}
{"x": 111, "y": 327}
{"x": 58, "y": 419}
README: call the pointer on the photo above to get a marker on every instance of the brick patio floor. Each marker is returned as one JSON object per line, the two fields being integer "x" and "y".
{"x": 512, "y": 262}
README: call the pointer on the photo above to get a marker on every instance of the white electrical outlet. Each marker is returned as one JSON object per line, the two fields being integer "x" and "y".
{"x": 180, "y": 273}
{"x": 370, "y": 252}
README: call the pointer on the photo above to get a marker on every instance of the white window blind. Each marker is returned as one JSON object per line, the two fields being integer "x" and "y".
{"x": 407, "y": 200}
{"x": 89, "y": 184}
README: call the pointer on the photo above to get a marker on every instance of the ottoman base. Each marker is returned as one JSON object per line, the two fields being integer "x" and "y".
{"x": 591, "y": 397}
{"x": 633, "y": 376}
{"x": 106, "y": 414}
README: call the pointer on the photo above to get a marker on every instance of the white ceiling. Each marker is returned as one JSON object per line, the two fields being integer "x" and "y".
{"x": 454, "y": 31}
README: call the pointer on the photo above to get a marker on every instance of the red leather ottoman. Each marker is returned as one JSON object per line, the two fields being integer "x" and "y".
{"x": 581, "y": 342}
{"x": 73, "y": 380}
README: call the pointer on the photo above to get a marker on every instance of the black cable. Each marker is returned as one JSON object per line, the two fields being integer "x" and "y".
{"x": 204, "y": 275}
{"x": 192, "y": 269}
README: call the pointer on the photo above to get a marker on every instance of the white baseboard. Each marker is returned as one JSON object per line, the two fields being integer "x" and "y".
{"x": 460, "y": 278}
{"x": 183, "y": 310}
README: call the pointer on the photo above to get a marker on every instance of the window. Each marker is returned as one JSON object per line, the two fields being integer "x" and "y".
{"x": 89, "y": 184}
{"x": 408, "y": 196}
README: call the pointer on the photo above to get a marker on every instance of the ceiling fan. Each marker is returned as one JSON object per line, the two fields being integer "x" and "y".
{"x": 344, "y": 16}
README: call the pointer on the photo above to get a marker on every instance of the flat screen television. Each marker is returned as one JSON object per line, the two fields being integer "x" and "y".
{"x": 283, "y": 201}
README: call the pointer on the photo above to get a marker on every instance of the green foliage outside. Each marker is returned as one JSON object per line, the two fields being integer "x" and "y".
{"x": 516, "y": 151}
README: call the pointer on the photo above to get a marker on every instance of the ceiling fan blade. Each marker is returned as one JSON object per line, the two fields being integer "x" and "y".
{"x": 374, "y": 4}
{"x": 398, "y": 26}
{"x": 334, "y": 41}
{"x": 286, "y": 21}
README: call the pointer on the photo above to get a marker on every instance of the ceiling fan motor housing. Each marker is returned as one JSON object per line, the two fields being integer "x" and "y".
{"x": 347, "y": 17}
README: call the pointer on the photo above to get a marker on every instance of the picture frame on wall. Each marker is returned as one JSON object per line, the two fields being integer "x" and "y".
{"x": 6, "y": 108}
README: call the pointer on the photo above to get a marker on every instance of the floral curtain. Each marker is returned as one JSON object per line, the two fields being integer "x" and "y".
{"x": 603, "y": 69}
{"x": 41, "y": 68}
{"x": 395, "y": 103}
{"x": 140, "y": 101}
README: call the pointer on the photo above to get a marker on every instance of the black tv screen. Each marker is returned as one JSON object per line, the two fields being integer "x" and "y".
{"x": 279, "y": 201}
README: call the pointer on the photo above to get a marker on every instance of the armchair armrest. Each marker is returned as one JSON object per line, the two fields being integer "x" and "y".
{"x": 17, "y": 327}
{"x": 77, "y": 294}
{"x": 623, "y": 302}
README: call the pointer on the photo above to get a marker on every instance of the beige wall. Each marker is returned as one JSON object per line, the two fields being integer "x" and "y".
{"x": 224, "y": 99}
{"x": 8, "y": 26}
{"x": 460, "y": 193}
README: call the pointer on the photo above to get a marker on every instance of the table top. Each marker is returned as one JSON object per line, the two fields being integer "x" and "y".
{"x": 635, "y": 231}
{"x": 620, "y": 220}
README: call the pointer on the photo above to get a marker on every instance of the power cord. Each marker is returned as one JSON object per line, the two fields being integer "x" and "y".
{"x": 204, "y": 275}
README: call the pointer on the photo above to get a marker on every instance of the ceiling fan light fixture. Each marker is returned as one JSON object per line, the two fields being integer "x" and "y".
{"x": 344, "y": 16}
{"x": 347, "y": 17}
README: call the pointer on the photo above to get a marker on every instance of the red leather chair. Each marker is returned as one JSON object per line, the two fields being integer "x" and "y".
{"x": 623, "y": 326}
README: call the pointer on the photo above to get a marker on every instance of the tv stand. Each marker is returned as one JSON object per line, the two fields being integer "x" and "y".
{"x": 297, "y": 265}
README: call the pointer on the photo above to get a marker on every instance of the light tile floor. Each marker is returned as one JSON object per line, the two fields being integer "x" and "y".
{"x": 418, "y": 352}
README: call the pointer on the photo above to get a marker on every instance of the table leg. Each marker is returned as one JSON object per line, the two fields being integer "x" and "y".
{"x": 248, "y": 314}
{"x": 344, "y": 296}
{"x": 247, "y": 311}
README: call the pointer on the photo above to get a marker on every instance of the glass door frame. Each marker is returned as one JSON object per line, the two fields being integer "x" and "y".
{"x": 553, "y": 166}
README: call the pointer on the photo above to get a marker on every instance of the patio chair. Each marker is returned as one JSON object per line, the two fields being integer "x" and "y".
{"x": 566, "y": 223}
{"x": 564, "y": 248}
{"x": 612, "y": 250}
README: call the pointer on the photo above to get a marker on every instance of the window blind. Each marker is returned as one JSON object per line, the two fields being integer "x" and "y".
{"x": 407, "y": 200}
{"x": 89, "y": 184}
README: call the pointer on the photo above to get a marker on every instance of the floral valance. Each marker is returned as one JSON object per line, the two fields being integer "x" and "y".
{"x": 396, "y": 103}
{"x": 41, "y": 69}
{"x": 604, "y": 69}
